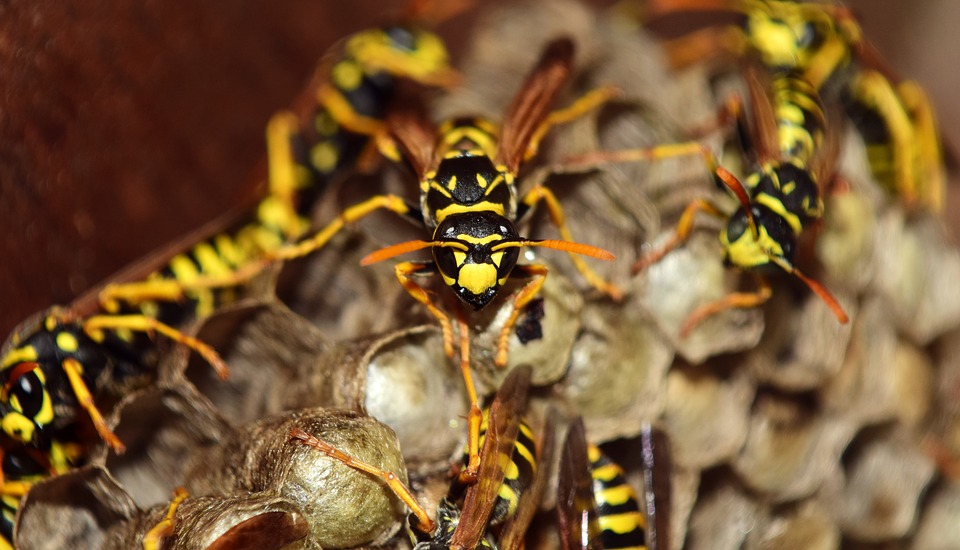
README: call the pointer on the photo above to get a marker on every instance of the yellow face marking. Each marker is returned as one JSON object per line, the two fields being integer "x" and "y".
{"x": 747, "y": 252}
{"x": 347, "y": 75}
{"x": 477, "y": 278}
{"x": 474, "y": 240}
{"x": 17, "y": 426}
{"x": 482, "y": 181}
{"x": 67, "y": 342}
{"x": 452, "y": 184}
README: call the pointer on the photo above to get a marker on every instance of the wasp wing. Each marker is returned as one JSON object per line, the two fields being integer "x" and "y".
{"x": 576, "y": 508}
{"x": 532, "y": 103}
{"x": 502, "y": 427}
{"x": 413, "y": 136}
{"x": 763, "y": 135}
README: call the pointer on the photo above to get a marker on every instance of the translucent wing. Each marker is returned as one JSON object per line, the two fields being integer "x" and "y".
{"x": 532, "y": 104}
{"x": 502, "y": 428}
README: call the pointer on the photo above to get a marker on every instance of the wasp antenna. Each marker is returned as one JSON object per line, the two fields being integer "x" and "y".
{"x": 563, "y": 246}
{"x": 393, "y": 251}
{"x": 817, "y": 289}
{"x": 734, "y": 185}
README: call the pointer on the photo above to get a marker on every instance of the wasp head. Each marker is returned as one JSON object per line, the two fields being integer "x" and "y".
{"x": 476, "y": 256}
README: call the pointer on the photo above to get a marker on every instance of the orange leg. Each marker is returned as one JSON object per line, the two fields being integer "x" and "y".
{"x": 405, "y": 271}
{"x": 469, "y": 474}
{"x": 171, "y": 289}
{"x": 520, "y": 300}
{"x": 164, "y": 529}
{"x": 540, "y": 193}
{"x": 403, "y": 493}
{"x": 94, "y": 326}
{"x": 735, "y": 300}
{"x": 681, "y": 233}
{"x": 74, "y": 372}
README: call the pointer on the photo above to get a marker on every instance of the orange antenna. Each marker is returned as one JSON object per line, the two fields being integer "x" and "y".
{"x": 395, "y": 250}
{"x": 734, "y": 185}
{"x": 816, "y": 287}
{"x": 564, "y": 246}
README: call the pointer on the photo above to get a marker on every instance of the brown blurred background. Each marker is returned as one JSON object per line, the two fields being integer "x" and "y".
{"x": 125, "y": 126}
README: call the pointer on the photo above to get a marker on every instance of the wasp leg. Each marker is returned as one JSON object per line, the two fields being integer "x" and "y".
{"x": 172, "y": 287}
{"x": 583, "y": 105}
{"x": 680, "y": 235}
{"x": 475, "y": 418}
{"x": 520, "y": 300}
{"x": 94, "y": 326}
{"x": 558, "y": 218}
{"x": 286, "y": 176}
{"x": 735, "y": 300}
{"x": 404, "y": 272}
{"x": 163, "y": 529}
{"x": 74, "y": 370}
{"x": 425, "y": 524}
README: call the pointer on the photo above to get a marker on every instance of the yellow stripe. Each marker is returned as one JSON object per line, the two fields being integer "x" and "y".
{"x": 622, "y": 523}
{"x": 618, "y": 495}
{"x": 508, "y": 494}
{"x": 27, "y": 353}
{"x": 607, "y": 473}
{"x": 455, "y": 208}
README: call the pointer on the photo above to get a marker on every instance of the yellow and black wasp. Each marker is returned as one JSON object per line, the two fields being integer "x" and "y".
{"x": 469, "y": 201}
{"x": 53, "y": 368}
{"x": 598, "y": 509}
{"x": 823, "y": 42}
{"x": 779, "y": 198}
{"x": 502, "y": 492}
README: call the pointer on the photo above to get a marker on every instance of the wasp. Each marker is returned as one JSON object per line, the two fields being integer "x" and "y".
{"x": 21, "y": 468}
{"x": 824, "y": 43}
{"x": 500, "y": 494}
{"x": 598, "y": 509}
{"x": 779, "y": 197}
{"x": 55, "y": 366}
{"x": 469, "y": 201}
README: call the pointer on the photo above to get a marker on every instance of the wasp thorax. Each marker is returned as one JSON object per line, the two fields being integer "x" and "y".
{"x": 474, "y": 261}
